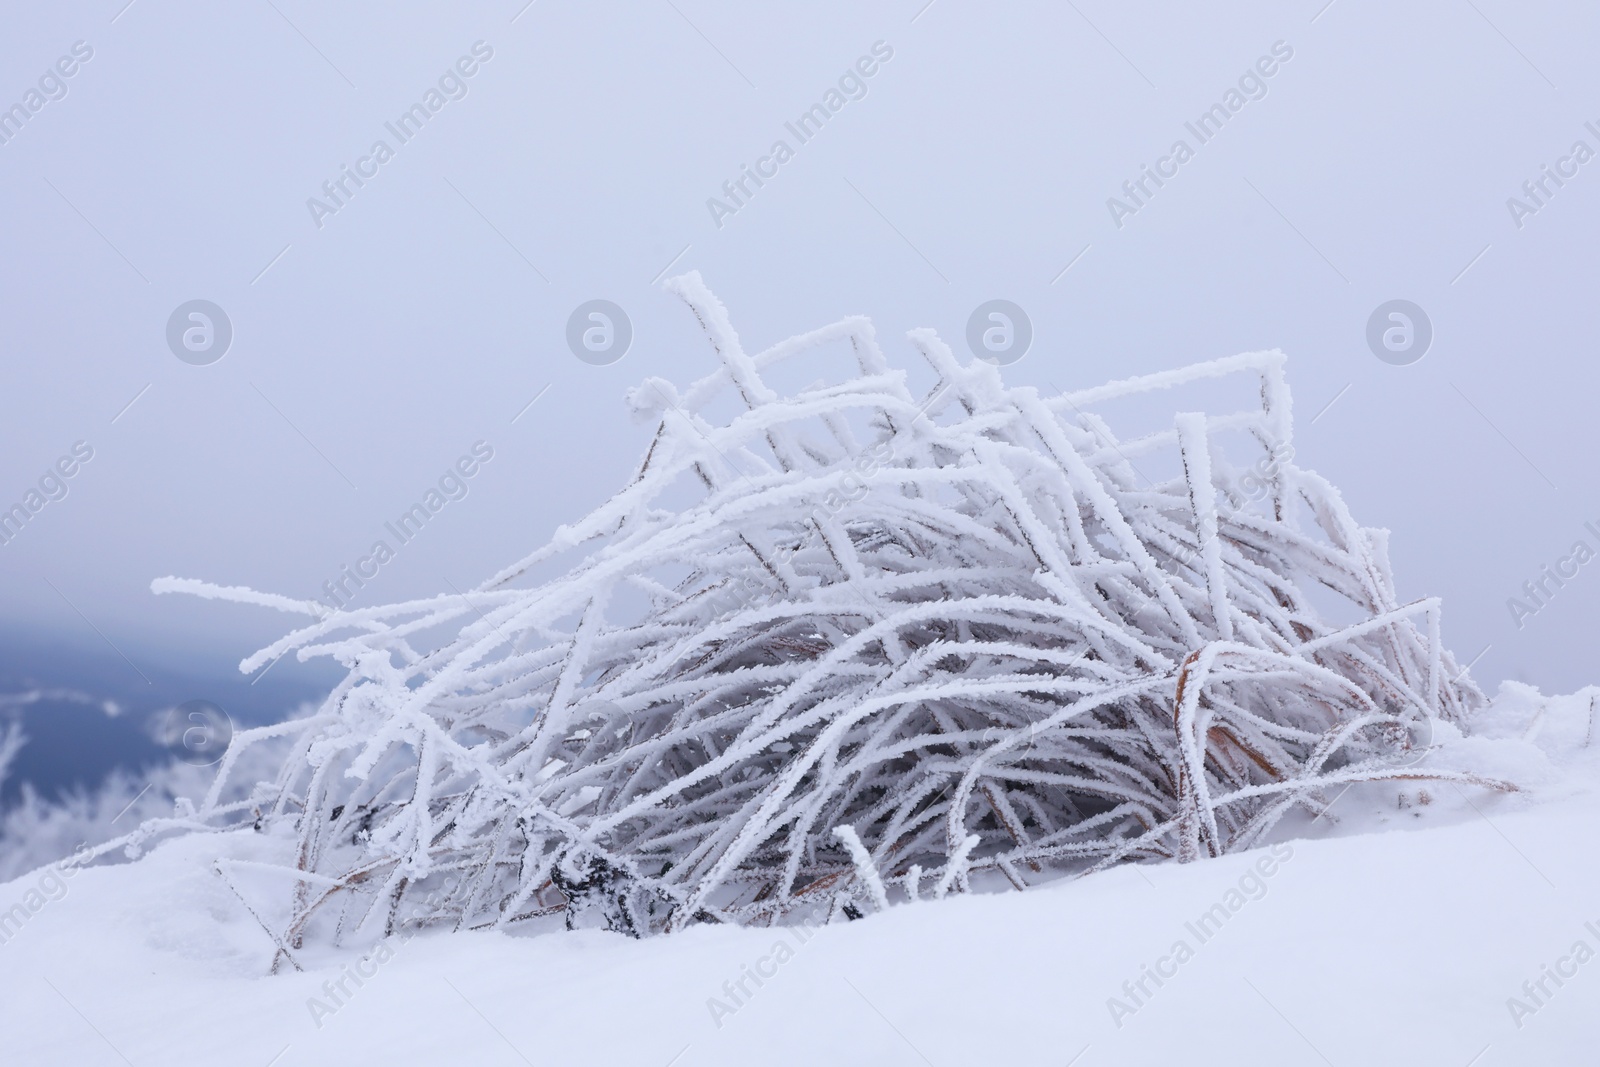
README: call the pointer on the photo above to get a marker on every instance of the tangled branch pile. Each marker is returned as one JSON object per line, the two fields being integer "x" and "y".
{"x": 852, "y": 642}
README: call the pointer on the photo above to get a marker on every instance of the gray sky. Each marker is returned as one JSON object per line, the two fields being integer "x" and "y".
{"x": 373, "y": 346}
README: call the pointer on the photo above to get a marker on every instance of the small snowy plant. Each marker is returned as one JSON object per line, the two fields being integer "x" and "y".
{"x": 857, "y": 641}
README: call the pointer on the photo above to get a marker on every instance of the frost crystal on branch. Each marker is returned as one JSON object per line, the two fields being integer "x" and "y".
{"x": 852, "y": 636}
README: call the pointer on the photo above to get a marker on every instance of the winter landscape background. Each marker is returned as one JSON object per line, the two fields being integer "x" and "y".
{"x": 382, "y": 330}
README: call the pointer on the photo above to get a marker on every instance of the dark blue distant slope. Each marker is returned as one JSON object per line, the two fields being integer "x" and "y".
{"x": 59, "y": 691}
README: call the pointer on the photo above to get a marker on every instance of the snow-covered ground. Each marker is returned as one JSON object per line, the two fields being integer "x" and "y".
{"x": 1416, "y": 924}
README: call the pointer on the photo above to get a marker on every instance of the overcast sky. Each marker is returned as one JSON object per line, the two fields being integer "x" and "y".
{"x": 379, "y": 335}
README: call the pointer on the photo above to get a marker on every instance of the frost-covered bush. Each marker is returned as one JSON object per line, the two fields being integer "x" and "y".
{"x": 855, "y": 641}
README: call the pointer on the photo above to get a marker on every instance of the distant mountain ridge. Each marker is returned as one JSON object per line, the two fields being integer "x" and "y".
{"x": 87, "y": 712}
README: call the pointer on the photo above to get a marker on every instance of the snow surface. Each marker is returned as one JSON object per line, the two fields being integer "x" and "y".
{"x": 1340, "y": 944}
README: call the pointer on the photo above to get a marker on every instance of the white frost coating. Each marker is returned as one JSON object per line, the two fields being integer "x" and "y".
{"x": 956, "y": 870}
{"x": 1268, "y": 364}
{"x": 1196, "y": 446}
{"x": 237, "y": 593}
{"x": 954, "y": 632}
{"x": 863, "y": 864}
